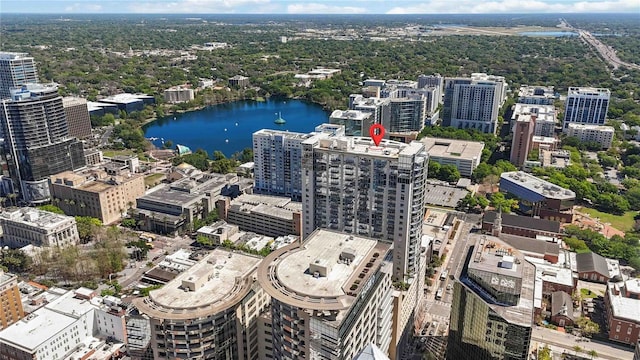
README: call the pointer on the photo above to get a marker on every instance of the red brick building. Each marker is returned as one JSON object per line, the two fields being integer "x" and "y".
{"x": 622, "y": 302}
{"x": 522, "y": 225}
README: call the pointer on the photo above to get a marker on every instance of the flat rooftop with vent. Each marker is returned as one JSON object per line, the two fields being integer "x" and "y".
{"x": 327, "y": 272}
{"x": 211, "y": 285}
{"x": 364, "y": 145}
{"x": 536, "y": 185}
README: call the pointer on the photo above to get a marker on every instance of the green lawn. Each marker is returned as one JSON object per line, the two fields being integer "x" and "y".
{"x": 586, "y": 293}
{"x": 621, "y": 222}
{"x": 112, "y": 153}
{"x": 152, "y": 180}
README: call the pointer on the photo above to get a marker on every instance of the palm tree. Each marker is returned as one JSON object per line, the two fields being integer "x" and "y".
{"x": 13, "y": 197}
{"x": 576, "y": 349}
{"x": 592, "y": 353}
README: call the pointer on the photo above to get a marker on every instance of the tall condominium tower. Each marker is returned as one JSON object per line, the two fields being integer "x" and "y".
{"x": 277, "y": 160}
{"x": 330, "y": 296}
{"x": 78, "y": 119}
{"x": 523, "y": 130}
{"x": 350, "y": 185}
{"x": 377, "y": 106}
{"x": 407, "y": 113}
{"x": 492, "y": 309}
{"x": 473, "y": 102}
{"x": 16, "y": 69}
{"x": 36, "y": 139}
{"x": 586, "y": 106}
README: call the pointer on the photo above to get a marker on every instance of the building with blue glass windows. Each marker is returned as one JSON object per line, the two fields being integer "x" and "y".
{"x": 538, "y": 197}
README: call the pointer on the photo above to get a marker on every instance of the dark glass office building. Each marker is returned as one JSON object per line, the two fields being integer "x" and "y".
{"x": 36, "y": 140}
{"x": 492, "y": 309}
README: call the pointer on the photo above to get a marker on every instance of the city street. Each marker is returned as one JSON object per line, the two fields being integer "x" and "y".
{"x": 541, "y": 336}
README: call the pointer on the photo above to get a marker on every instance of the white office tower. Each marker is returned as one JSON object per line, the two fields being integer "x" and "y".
{"x": 586, "y": 105}
{"x": 330, "y": 296}
{"x": 16, "y": 69}
{"x": 473, "y": 103}
{"x": 277, "y": 159}
{"x": 353, "y": 186}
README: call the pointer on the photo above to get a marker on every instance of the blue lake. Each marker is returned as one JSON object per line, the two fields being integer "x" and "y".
{"x": 548, "y": 33}
{"x": 228, "y": 127}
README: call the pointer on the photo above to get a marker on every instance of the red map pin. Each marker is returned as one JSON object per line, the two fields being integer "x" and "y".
{"x": 377, "y": 132}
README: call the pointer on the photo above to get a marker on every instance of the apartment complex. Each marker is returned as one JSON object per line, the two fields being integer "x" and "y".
{"x": 546, "y": 117}
{"x": 239, "y": 81}
{"x": 492, "y": 309}
{"x": 331, "y": 296}
{"x": 96, "y": 193}
{"x": 78, "y": 119}
{"x": 602, "y": 135}
{"x": 72, "y": 326}
{"x": 37, "y": 140}
{"x": 380, "y": 108}
{"x": 351, "y": 185}
{"x": 622, "y": 302}
{"x": 473, "y": 103}
{"x": 538, "y": 197}
{"x": 29, "y": 226}
{"x": 16, "y": 69}
{"x": 209, "y": 311}
{"x": 277, "y": 157}
{"x": 178, "y": 94}
{"x": 523, "y": 131}
{"x": 536, "y": 95}
{"x": 464, "y": 155}
{"x": 11, "y": 310}
{"x": 263, "y": 214}
{"x": 586, "y": 105}
{"x": 355, "y": 122}
{"x": 407, "y": 113}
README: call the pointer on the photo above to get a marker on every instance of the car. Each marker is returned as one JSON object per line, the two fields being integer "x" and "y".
{"x": 449, "y": 287}
{"x": 432, "y": 332}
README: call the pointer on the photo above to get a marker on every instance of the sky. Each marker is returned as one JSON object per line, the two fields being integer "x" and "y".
{"x": 319, "y": 6}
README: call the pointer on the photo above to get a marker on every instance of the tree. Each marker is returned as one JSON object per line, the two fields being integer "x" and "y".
{"x": 87, "y": 227}
{"x": 500, "y": 202}
{"x": 587, "y": 326}
{"x": 51, "y": 208}
{"x": 204, "y": 241}
{"x": 449, "y": 173}
{"x": 592, "y": 353}
{"x": 544, "y": 353}
{"x": 576, "y": 349}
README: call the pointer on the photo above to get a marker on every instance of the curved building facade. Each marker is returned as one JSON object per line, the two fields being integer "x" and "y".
{"x": 331, "y": 296}
{"x": 209, "y": 311}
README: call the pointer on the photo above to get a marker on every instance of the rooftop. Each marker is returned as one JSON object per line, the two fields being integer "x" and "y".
{"x": 469, "y": 150}
{"x": 542, "y": 112}
{"x": 538, "y": 185}
{"x": 35, "y": 217}
{"x": 325, "y": 273}
{"x": 217, "y": 282}
{"x": 283, "y": 133}
{"x": 350, "y": 114}
{"x": 6, "y": 55}
{"x": 273, "y": 206}
{"x": 592, "y": 127}
{"x": 623, "y": 307}
{"x": 525, "y": 222}
{"x": 589, "y": 91}
{"x": 365, "y": 145}
{"x": 537, "y": 91}
{"x": 73, "y": 101}
{"x": 124, "y": 98}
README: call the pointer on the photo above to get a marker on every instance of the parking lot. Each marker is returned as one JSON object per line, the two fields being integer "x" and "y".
{"x": 442, "y": 195}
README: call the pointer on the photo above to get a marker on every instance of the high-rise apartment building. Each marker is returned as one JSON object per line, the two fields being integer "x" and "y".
{"x": 492, "y": 309}
{"x": 36, "y": 138}
{"x": 536, "y": 95}
{"x": 523, "y": 131}
{"x": 586, "y": 105}
{"x": 331, "y": 296}
{"x": 407, "y": 114}
{"x": 353, "y": 186}
{"x": 602, "y": 135}
{"x": 473, "y": 102}
{"x": 356, "y": 122}
{"x": 16, "y": 69}
{"x": 78, "y": 119}
{"x": 277, "y": 157}
{"x": 378, "y": 107}
{"x": 11, "y": 310}
{"x": 209, "y": 311}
